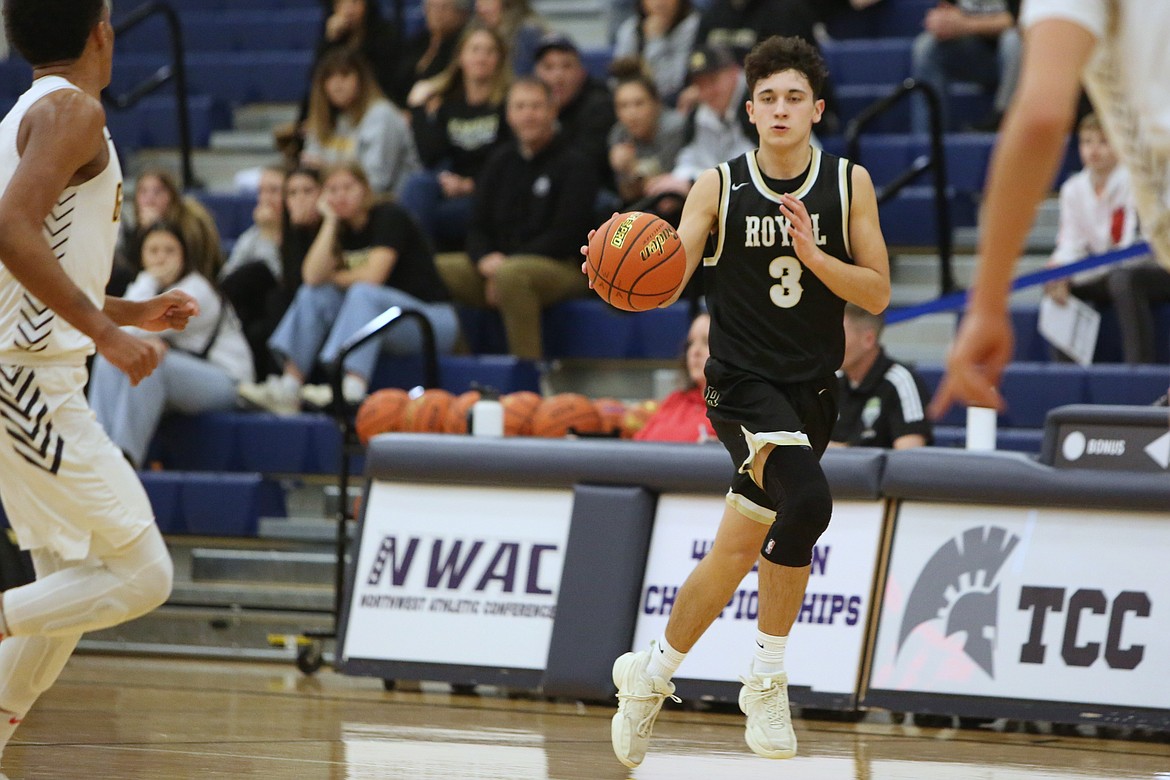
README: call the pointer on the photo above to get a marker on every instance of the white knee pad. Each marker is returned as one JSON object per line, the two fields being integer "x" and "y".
{"x": 111, "y": 588}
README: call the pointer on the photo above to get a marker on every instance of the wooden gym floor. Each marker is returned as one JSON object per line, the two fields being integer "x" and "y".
{"x": 121, "y": 718}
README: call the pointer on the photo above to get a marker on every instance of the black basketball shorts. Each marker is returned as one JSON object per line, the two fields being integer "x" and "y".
{"x": 748, "y": 412}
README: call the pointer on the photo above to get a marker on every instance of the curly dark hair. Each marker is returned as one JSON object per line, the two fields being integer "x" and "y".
{"x": 46, "y": 31}
{"x": 777, "y": 53}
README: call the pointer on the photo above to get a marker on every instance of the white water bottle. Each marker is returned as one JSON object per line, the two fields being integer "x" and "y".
{"x": 487, "y": 417}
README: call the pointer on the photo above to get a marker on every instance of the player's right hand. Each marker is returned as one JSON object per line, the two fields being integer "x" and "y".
{"x": 585, "y": 249}
{"x": 131, "y": 355}
{"x": 981, "y": 350}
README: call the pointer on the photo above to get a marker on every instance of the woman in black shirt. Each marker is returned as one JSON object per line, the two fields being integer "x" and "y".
{"x": 366, "y": 258}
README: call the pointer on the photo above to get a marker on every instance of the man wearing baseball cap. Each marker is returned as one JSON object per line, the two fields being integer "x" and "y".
{"x": 584, "y": 105}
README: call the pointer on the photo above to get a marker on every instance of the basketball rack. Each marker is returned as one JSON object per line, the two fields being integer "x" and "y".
{"x": 310, "y": 645}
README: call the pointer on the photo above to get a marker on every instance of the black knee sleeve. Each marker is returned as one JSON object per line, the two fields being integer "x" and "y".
{"x": 795, "y": 482}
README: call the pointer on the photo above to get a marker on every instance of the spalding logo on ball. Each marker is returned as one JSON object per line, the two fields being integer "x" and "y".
{"x": 635, "y": 261}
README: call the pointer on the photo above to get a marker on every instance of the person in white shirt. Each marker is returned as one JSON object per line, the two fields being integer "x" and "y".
{"x": 199, "y": 368}
{"x": 1118, "y": 49}
{"x": 1097, "y": 214}
{"x": 718, "y": 128}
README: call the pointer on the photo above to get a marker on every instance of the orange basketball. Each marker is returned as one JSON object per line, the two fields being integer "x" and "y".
{"x": 518, "y": 410}
{"x": 635, "y": 261}
{"x": 382, "y": 412}
{"x": 563, "y": 413}
{"x": 612, "y": 412}
{"x": 636, "y": 417}
{"x": 460, "y": 408}
{"x": 427, "y": 412}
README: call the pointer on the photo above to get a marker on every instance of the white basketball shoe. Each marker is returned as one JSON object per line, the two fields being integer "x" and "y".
{"x": 640, "y": 698}
{"x": 764, "y": 699}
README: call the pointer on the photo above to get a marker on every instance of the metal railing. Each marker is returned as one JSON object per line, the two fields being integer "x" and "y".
{"x": 176, "y": 71}
{"x": 934, "y": 161}
{"x": 375, "y": 328}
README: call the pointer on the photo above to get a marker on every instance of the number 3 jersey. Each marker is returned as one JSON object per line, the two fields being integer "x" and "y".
{"x": 770, "y": 315}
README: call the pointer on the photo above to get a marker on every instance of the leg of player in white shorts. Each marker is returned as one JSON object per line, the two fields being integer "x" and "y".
{"x": 78, "y": 506}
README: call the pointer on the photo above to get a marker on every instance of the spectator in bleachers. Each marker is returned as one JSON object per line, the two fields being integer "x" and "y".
{"x": 429, "y": 52}
{"x": 264, "y": 268}
{"x": 1098, "y": 214}
{"x": 683, "y": 414}
{"x": 882, "y": 401}
{"x": 358, "y": 25}
{"x": 645, "y": 142}
{"x": 260, "y": 243}
{"x": 367, "y": 257}
{"x": 157, "y": 197}
{"x": 662, "y": 34}
{"x": 349, "y": 24}
{"x": 302, "y": 193}
{"x": 199, "y": 368}
{"x": 739, "y": 24}
{"x": 968, "y": 40}
{"x": 351, "y": 120}
{"x": 518, "y": 25}
{"x": 456, "y": 127}
{"x": 584, "y": 105}
{"x": 718, "y": 128}
{"x": 301, "y": 223}
{"x": 522, "y": 251}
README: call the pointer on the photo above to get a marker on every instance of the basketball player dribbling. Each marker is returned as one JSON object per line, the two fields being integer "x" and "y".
{"x": 70, "y": 496}
{"x": 795, "y": 234}
{"x": 1117, "y": 48}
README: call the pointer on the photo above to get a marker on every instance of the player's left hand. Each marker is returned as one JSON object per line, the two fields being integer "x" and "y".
{"x": 169, "y": 311}
{"x": 800, "y": 229}
{"x": 975, "y": 365}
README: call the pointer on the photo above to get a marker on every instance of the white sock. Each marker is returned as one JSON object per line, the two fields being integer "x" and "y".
{"x": 664, "y": 660}
{"x": 289, "y": 385}
{"x": 769, "y": 654}
{"x": 353, "y": 388}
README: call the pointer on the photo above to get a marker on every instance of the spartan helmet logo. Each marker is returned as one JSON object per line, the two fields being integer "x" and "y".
{"x": 958, "y": 585}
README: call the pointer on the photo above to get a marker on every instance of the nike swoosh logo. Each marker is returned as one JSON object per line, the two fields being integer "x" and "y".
{"x": 759, "y": 645}
{"x": 735, "y": 187}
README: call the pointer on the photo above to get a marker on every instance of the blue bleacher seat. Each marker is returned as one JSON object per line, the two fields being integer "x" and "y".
{"x": 1127, "y": 385}
{"x": 304, "y": 444}
{"x": 232, "y": 77}
{"x": 1031, "y": 389}
{"x": 155, "y": 122}
{"x": 231, "y": 30}
{"x": 210, "y": 504}
{"x": 887, "y": 19}
{"x": 232, "y": 212}
{"x": 457, "y": 373}
{"x": 248, "y": 442}
{"x": 596, "y": 62}
{"x": 868, "y": 61}
{"x": 908, "y": 219}
{"x": 1026, "y": 440}
{"x": 1031, "y": 346}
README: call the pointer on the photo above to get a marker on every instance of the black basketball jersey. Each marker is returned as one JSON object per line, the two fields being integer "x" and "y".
{"x": 770, "y": 315}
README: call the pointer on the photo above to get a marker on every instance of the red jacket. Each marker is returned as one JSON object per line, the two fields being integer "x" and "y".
{"x": 682, "y": 417}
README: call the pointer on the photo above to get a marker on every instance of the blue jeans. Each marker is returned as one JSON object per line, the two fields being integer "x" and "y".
{"x": 322, "y": 317}
{"x": 182, "y": 383}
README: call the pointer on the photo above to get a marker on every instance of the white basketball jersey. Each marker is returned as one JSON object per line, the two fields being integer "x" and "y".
{"x": 82, "y": 229}
{"x": 1128, "y": 80}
